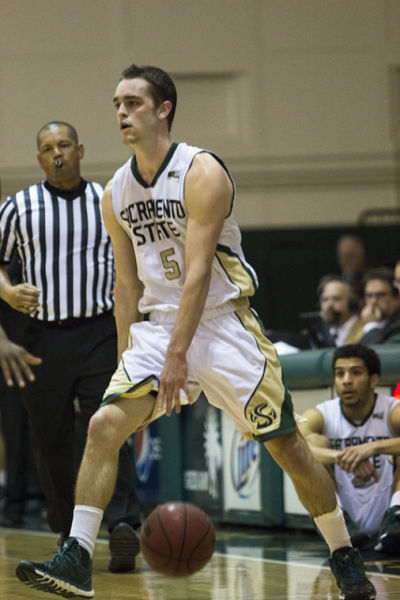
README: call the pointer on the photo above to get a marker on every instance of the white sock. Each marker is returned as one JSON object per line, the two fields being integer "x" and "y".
{"x": 395, "y": 501}
{"x": 333, "y": 529}
{"x": 85, "y": 526}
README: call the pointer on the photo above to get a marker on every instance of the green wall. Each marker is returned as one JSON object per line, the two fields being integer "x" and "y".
{"x": 290, "y": 262}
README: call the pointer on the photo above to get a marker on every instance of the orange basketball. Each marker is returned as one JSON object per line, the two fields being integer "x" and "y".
{"x": 177, "y": 539}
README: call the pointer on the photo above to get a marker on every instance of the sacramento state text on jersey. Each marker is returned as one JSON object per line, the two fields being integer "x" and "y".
{"x": 151, "y": 220}
{"x": 356, "y": 440}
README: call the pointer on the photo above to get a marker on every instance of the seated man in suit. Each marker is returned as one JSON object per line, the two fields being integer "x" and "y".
{"x": 381, "y": 313}
{"x": 338, "y": 321}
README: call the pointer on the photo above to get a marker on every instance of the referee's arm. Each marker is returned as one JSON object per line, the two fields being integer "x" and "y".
{"x": 23, "y": 296}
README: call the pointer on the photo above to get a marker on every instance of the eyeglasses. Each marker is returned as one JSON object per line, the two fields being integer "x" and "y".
{"x": 377, "y": 295}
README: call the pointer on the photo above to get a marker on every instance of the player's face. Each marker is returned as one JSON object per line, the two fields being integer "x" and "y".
{"x": 354, "y": 385}
{"x": 56, "y": 147}
{"x": 138, "y": 117}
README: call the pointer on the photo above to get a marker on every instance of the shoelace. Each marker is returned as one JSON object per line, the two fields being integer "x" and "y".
{"x": 63, "y": 555}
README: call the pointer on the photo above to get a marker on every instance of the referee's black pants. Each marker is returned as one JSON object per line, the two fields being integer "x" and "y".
{"x": 21, "y": 479}
{"x": 78, "y": 362}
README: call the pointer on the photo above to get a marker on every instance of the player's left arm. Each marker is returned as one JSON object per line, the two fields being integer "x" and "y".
{"x": 353, "y": 455}
{"x": 208, "y": 198}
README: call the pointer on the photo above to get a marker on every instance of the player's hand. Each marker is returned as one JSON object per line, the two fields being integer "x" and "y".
{"x": 15, "y": 361}
{"x": 23, "y": 297}
{"x": 365, "y": 471}
{"x": 173, "y": 379}
{"x": 349, "y": 458}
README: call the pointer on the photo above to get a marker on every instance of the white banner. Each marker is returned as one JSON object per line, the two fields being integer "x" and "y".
{"x": 241, "y": 469}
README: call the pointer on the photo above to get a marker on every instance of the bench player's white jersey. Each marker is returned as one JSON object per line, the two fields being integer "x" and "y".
{"x": 366, "y": 503}
{"x": 155, "y": 217}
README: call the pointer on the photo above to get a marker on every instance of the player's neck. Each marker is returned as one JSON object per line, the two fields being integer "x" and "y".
{"x": 150, "y": 156}
{"x": 361, "y": 410}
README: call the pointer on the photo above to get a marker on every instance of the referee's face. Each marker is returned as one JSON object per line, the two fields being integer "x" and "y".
{"x": 59, "y": 156}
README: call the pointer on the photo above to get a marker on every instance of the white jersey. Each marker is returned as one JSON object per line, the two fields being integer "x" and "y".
{"x": 366, "y": 503}
{"x": 155, "y": 218}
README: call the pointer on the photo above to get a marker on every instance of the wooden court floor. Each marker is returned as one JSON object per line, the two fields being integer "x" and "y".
{"x": 247, "y": 565}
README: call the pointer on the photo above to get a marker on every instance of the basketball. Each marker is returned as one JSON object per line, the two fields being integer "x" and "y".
{"x": 177, "y": 539}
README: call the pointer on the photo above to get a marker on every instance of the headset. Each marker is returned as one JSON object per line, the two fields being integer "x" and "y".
{"x": 353, "y": 304}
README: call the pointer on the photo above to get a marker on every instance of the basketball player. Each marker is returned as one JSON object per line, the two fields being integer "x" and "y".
{"x": 169, "y": 212}
{"x": 357, "y": 433}
{"x": 15, "y": 362}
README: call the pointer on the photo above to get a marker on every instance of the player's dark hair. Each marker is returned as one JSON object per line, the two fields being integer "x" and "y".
{"x": 71, "y": 130}
{"x": 367, "y": 355}
{"x": 161, "y": 86}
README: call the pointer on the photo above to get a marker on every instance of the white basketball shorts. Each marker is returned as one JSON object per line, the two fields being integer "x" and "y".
{"x": 229, "y": 359}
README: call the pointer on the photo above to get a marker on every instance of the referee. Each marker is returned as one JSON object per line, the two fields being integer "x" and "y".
{"x": 68, "y": 273}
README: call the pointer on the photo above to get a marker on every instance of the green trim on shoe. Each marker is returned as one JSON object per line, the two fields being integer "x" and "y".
{"x": 64, "y": 575}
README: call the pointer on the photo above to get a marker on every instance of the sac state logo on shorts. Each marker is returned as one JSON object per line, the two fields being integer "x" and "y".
{"x": 244, "y": 462}
{"x": 263, "y": 415}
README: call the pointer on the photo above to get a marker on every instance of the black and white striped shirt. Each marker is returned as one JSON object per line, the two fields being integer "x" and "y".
{"x": 63, "y": 246}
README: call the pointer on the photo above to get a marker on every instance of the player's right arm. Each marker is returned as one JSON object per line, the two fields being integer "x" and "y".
{"x": 128, "y": 287}
{"x": 311, "y": 426}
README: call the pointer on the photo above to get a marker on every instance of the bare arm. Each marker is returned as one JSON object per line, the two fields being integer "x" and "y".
{"x": 208, "y": 196}
{"x": 350, "y": 458}
{"x": 15, "y": 361}
{"x": 128, "y": 287}
{"x": 23, "y": 296}
{"x": 312, "y": 430}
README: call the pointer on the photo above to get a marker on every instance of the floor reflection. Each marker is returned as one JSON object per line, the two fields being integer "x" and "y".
{"x": 247, "y": 565}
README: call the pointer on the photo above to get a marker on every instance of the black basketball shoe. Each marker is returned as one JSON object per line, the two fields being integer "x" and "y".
{"x": 349, "y": 572}
{"x": 68, "y": 574}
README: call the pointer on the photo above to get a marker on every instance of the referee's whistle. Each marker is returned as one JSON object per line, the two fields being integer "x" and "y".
{"x": 58, "y": 162}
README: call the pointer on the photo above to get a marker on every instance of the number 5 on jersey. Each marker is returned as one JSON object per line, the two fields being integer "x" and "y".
{"x": 172, "y": 270}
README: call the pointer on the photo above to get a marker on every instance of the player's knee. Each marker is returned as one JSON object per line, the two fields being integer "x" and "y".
{"x": 290, "y": 452}
{"x": 102, "y": 430}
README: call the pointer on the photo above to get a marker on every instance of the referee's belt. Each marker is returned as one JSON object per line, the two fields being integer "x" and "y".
{"x": 72, "y": 322}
